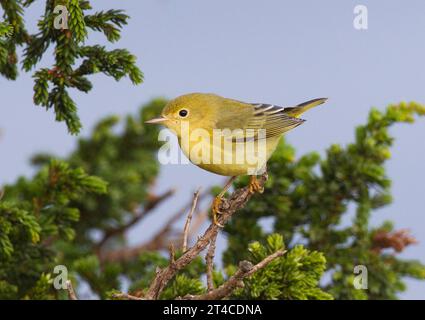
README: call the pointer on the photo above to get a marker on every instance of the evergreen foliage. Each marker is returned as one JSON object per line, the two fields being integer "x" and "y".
{"x": 74, "y": 61}
{"x": 34, "y": 214}
{"x": 296, "y": 275}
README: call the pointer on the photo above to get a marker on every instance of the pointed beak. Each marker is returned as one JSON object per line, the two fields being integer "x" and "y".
{"x": 156, "y": 120}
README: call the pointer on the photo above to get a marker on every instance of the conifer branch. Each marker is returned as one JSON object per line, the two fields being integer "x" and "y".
{"x": 51, "y": 85}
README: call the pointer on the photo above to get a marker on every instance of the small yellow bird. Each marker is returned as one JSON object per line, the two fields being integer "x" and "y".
{"x": 248, "y": 133}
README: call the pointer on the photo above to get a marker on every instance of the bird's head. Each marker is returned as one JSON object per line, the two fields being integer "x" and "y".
{"x": 196, "y": 110}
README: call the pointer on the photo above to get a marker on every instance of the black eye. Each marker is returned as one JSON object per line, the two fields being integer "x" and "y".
{"x": 183, "y": 113}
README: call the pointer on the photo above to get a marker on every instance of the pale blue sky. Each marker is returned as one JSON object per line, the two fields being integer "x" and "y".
{"x": 281, "y": 52}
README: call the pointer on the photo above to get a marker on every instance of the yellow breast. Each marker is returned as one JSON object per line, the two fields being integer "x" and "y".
{"x": 229, "y": 158}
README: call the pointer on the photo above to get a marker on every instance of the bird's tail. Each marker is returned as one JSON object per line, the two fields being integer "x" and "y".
{"x": 303, "y": 107}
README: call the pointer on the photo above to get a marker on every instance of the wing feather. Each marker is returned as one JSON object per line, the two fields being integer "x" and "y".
{"x": 257, "y": 116}
{"x": 273, "y": 119}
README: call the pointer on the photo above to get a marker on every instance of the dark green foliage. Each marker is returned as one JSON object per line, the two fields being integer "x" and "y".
{"x": 5, "y": 29}
{"x": 295, "y": 275}
{"x": 52, "y": 84}
{"x": 102, "y": 280}
{"x": 108, "y": 22}
{"x": 34, "y": 214}
{"x": 188, "y": 281}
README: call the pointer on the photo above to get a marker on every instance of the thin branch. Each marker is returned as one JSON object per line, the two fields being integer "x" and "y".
{"x": 245, "y": 270}
{"x": 263, "y": 263}
{"x": 150, "y": 205}
{"x": 189, "y": 219}
{"x": 227, "y": 208}
{"x": 172, "y": 254}
{"x": 209, "y": 259}
{"x": 71, "y": 292}
{"x": 125, "y": 296}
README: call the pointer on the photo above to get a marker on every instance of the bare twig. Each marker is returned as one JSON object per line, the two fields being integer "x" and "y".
{"x": 209, "y": 259}
{"x": 71, "y": 292}
{"x": 227, "y": 208}
{"x": 189, "y": 219}
{"x": 245, "y": 270}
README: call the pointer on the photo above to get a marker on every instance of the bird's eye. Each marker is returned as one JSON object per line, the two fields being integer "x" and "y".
{"x": 183, "y": 113}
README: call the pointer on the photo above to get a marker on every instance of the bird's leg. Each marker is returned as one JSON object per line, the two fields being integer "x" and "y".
{"x": 218, "y": 200}
{"x": 254, "y": 186}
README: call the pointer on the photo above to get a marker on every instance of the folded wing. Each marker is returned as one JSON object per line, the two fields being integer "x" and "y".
{"x": 257, "y": 121}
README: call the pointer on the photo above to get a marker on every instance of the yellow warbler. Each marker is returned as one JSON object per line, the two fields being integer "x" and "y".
{"x": 230, "y": 137}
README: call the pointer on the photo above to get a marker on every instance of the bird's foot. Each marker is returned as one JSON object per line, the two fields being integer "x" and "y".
{"x": 255, "y": 186}
{"x": 216, "y": 210}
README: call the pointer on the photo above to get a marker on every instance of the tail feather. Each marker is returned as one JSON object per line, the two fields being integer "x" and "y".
{"x": 303, "y": 107}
